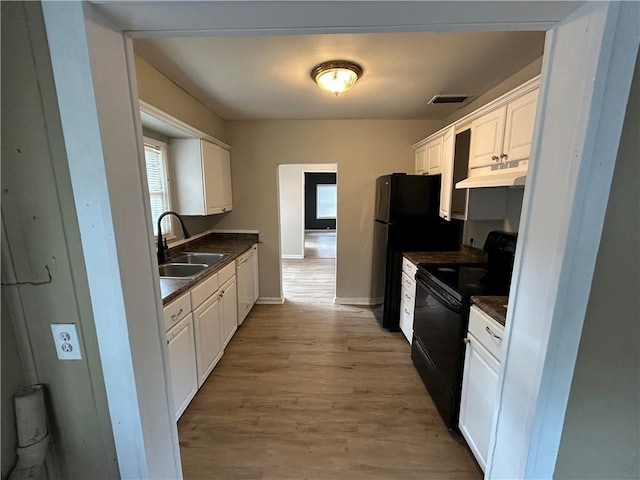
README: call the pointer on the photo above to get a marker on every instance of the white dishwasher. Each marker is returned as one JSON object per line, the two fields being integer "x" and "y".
{"x": 244, "y": 277}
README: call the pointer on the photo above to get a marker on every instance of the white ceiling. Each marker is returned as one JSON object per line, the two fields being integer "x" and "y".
{"x": 267, "y": 77}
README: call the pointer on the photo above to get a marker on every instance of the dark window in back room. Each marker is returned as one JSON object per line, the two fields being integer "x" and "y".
{"x": 320, "y": 201}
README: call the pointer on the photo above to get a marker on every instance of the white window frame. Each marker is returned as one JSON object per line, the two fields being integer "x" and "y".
{"x": 162, "y": 146}
{"x": 323, "y": 217}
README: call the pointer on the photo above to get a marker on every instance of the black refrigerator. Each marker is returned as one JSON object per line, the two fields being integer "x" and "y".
{"x": 406, "y": 220}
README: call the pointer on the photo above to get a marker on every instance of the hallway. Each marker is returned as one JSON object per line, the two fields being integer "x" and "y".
{"x": 314, "y": 276}
{"x": 312, "y": 390}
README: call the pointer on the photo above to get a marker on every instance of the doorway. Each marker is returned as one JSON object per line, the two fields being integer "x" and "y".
{"x": 308, "y": 234}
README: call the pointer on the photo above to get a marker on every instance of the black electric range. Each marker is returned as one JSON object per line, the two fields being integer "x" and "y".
{"x": 441, "y": 318}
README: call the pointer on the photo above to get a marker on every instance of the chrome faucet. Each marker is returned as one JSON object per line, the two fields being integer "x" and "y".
{"x": 162, "y": 244}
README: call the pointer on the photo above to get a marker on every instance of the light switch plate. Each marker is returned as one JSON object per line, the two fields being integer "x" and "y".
{"x": 65, "y": 338}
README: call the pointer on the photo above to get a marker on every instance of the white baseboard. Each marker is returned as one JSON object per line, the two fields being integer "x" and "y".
{"x": 270, "y": 300}
{"x": 292, "y": 257}
{"x": 357, "y": 301}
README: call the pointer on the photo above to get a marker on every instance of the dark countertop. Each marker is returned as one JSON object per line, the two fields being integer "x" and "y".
{"x": 466, "y": 254}
{"x": 234, "y": 244}
{"x": 493, "y": 306}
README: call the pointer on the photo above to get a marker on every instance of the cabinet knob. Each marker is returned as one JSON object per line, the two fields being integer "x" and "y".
{"x": 503, "y": 156}
{"x": 495, "y": 158}
{"x": 466, "y": 340}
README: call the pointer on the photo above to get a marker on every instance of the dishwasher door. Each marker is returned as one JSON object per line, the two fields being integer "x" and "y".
{"x": 244, "y": 273}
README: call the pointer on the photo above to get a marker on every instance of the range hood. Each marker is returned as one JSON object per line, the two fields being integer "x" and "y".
{"x": 502, "y": 179}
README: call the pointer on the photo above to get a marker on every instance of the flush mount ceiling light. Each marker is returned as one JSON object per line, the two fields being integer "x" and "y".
{"x": 336, "y": 76}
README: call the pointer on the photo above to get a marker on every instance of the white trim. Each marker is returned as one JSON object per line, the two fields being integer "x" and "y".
{"x": 168, "y": 194}
{"x": 292, "y": 257}
{"x": 179, "y": 124}
{"x": 270, "y": 301}
{"x": 368, "y": 301}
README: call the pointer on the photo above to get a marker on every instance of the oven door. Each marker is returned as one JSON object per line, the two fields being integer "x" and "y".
{"x": 439, "y": 325}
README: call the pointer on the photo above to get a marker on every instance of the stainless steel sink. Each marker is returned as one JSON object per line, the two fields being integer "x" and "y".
{"x": 181, "y": 270}
{"x": 199, "y": 258}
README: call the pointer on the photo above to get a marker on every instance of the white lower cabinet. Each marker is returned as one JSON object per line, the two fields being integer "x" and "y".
{"x": 208, "y": 336}
{"x": 256, "y": 274}
{"x": 229, "y": 310}
{"x": 246, "y": 272}
{"x": 196, "y": 339}
{"x": 480, "y": 383}
{"x": 182, "y": 362}
{"x": 408, "y": 294}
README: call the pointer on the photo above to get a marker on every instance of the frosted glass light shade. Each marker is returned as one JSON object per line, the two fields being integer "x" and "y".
{"x": 336, "y": 76}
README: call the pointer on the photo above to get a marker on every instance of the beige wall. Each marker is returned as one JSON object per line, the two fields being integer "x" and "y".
{"x": 363, "y": 150}
{"x": 477, "y": 230}
{"x": 291, "y": 201}
{"x": 601, "y": 434}
{"x": 162, "y": 93}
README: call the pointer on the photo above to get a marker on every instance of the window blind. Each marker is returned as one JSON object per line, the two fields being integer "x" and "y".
{"x": 158, "y": 191}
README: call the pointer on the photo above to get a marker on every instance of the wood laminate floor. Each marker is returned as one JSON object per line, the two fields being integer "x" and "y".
{"x": 312, "y": 390}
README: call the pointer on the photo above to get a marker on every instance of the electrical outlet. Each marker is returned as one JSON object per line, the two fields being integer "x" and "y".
{"x": 65, "y": 338}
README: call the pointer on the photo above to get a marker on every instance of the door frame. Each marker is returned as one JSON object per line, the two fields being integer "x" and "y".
{"x": 92, "y": 59}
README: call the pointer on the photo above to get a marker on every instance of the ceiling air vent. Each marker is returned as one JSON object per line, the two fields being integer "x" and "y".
{"x": 448, "y": 99}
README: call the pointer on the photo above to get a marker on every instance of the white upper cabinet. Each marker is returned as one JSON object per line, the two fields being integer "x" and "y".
{"x": 503, "y": 136}
{"x": 227, "y": 197}
{"x": 519, "y": 125}
{"x": 446, "y": 187}
{"x": 434, "y": 157}
{"x": 428, "y": 157}
{"x": 202, "y": 172}
{"x": 420, "y": 158}
{"x": 487, "y": 134}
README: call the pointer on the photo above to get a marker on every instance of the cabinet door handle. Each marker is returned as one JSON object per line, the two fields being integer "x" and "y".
{"x": 407, "y": 311}
{"x": 176, "y": 315}
{"x": 495, "y": 158}
{"x": 492, "y": 334}
{"x": 503, "y": 156}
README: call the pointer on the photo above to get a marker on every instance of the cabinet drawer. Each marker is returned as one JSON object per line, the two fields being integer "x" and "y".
{"x": 407, "y": 298}
{"x": 177, "y": 310}
{"x": 244, "y": 257}
{"x": 409, "y": 268}
{"x": 488, "y": 332}
{"x": 204, "y": 290}
{"x": 409, "y": 284}
{"x": 226, "y": 273}
{"x": 406, "y": 320}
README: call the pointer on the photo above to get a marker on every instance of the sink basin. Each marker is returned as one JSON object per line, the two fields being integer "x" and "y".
{"x": 181, "y": 270}
{"x": 198, "y": 258}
